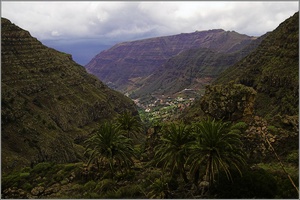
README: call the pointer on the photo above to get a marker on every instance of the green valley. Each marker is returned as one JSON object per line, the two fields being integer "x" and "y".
{"x": 228, "y": 130}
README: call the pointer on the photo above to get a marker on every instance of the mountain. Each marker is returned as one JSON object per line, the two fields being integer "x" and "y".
{"x": 49, "y": 103}
{"x": 272, "y": 70}
{"x": 125, "y": 64}
{"x": 261, "y": 94}
{"x": 192, "y": 69}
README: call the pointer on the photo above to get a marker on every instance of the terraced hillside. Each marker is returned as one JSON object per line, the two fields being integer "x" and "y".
{"x": 192, "y": 69}
{"x": 124, "y": 65}
{"x": 272, "y": 70}
{"x": 49, "y": 103}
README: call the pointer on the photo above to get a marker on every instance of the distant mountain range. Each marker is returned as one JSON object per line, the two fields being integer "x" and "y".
{"x": 191, "y": 69}
{"x": 49, "y": 102}
{"x": 130, "y": 65}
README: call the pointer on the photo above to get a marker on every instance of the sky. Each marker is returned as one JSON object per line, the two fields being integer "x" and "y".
{"x": 85, "y": 28}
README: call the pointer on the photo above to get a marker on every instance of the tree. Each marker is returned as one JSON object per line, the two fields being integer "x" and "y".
{"x": 172, "y": 151}
{"x": 216, "y": 148}
{"x": 129, "y": 124}
{"x": 109, "y": 146}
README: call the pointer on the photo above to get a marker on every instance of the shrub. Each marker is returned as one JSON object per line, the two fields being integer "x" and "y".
{"x": 240, "y": 126}
{"x": 10, "y": 180}
{"x": 42, "y": 168}
{"x": 24, "y": 175}
{"x": 69, "y": 167}
{"x": 129, "y": 191}
{"x": 27, "y": 186}
{"x": 272, "y": 129}
{"x": 26, "y": 169}
{"x": 58, "y": 177}
{"x": 111, "y": 195}
{"x": 92, "y": 195}
{"x": 78, "y": 187}
{"x": 90, "y": 186}
{"x": 293, "y": 157}
{"x": 106, "y": 185}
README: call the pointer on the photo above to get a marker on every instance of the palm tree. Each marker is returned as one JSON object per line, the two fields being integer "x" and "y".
{"x": 109, "y": 146}
{"x": 172, "y": 151}
{"x": 216, "y": 148}
{"x": 129, "y": 124}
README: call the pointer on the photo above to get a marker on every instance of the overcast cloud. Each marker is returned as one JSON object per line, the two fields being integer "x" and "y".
{"x": 111, "y": 22}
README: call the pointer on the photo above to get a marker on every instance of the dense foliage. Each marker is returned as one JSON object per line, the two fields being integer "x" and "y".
{"x": 206, "y": 159}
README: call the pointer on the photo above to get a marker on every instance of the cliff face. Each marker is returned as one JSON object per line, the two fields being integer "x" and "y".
{"x": 191, "y": 69}
{"x": 125, "y": 63}
{"x": 48, "y": 101}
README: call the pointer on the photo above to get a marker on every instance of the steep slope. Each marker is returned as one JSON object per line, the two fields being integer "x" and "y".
{"x": 126, "y": 63}
{"x": 272, "y": 70}
{"x": 49, "y": 103}
{"x": 262, "y": 90}
{"x": 191, "y": 69}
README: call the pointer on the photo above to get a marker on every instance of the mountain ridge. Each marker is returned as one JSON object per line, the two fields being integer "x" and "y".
{"x": 192, "y": 69}
{"x": 138, "y": 59}
{"x": 272, "y": 70}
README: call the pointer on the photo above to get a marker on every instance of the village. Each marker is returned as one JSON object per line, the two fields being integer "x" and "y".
{"x": 158, "y": 108}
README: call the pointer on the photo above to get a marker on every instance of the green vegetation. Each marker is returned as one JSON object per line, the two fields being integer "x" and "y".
{"x": 206, "y": 159}
{"x": 130, "y": 125}
{"x": 172, "y": 151}
{"x": 217, "y": 149}
{"x": 235, "y": 144}
{"x": 272, "y": 70}
{"x": 109, "y": 147}
{"x": 49, "y": 101}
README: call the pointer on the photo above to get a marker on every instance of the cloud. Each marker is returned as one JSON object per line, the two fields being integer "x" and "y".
{"x": 46, "y": 20}
{"x": 115, "y": 21}
{"x": 55, "y": 33}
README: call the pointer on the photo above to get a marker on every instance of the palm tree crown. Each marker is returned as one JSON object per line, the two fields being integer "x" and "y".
{"x": 172, "y": 151}
{"x": 129, "y": 124}
{"x": 109, "y": 146}
{"x": 215, "y": 147}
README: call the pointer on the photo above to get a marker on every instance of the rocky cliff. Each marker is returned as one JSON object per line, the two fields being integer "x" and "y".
{"x": 48, "y": 101}
{"x": 127, "y": 63}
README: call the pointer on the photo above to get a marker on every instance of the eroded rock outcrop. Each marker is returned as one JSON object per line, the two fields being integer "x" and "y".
{"x": 228, "y": 102}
